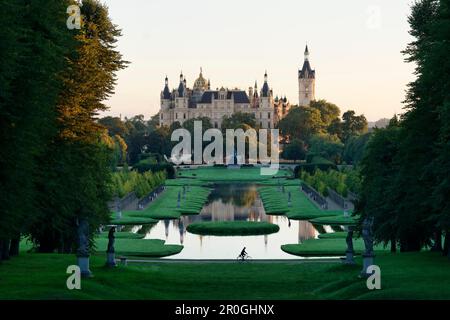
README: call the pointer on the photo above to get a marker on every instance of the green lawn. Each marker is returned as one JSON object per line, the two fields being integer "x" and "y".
{"x": 301, "y": 208}
{"x": 233, "y": 228}
{"x": 230, "y": 175}
{"x": 166, "y": 205}
{"x": 404, "y": 276}
{"x": 139, "y": 248}
{"x": 325, "y": 247}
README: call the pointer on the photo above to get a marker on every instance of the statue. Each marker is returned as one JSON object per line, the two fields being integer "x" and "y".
{"x": 83, "y": 240}
{"x": 367, "y": 235}
{"x": 349, "y": 239}
{"x": 83, "y": 247}
{"x": 110, "y": 252}
{"x": 111, "y": 240}
{"x": 368, "y": 255}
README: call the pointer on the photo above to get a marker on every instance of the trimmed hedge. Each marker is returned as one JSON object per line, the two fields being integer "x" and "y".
{"x": 233, "y": 228}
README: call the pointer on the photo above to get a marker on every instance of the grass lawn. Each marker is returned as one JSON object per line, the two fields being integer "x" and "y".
{"x": 122, "y": 235}
{"x": 139, "y": 248}
{"x": 232, "y": 175}
{"x": 301, "y": 208}
{"x": 404, "y": 276}
{"x": 334, "y": 235}
{"x": 165, "y": 206}
{"x": 337, "y": 220}
{"x": 325, "y": 247}
{"x": 233, "y": 228}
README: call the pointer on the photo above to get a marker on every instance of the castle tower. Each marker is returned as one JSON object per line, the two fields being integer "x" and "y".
{"x": 306, "y": 82}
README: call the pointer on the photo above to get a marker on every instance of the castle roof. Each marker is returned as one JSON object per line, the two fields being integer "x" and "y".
{"x": 307, "y": 71}
{"x": 238, "y": 96}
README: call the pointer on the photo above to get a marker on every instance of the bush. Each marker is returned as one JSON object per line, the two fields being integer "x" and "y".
{"x": 125, "y": 182}
{"x": 168, "y": 167}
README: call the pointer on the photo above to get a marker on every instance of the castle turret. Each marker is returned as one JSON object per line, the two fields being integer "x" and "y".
{"x": 306, "y": 82}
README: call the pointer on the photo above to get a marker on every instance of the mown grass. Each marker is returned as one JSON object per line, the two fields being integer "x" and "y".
{"x": 233, "y": 228}
{"x": 233, "y": 175}
{"x": 276, "y": 202}
{"x": 404, "y": 276}
{"x": 337, "y": 220}
{"x": 325, "y": 247}
{"x": 139, "y": 248}
{"x": 166, "y": 205}
{"x": 122, "y": 235}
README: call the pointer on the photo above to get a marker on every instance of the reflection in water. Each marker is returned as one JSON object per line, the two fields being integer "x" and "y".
{"x": 232, "y": 202}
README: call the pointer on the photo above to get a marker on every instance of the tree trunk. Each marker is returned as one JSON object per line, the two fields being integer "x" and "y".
{"x": 5, "y": 249}
{"x": 437, "y": 245}
{"x": 14, "y": 248}
{"x": 393, "y": 245}
{"x": 446, "y": 250}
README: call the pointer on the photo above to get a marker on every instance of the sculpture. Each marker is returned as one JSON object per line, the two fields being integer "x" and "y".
{"x": 83, "y": 240}
{"x": 111, "y": 240}
{"x": 367, "y": 235}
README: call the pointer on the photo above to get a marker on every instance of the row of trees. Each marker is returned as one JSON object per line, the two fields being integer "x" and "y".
{"x": 340, "y": 181}
{"x": 54, "y": 164}
{"x": 406, "y": 168}
{"x": 319, "y": 129}
{"x": 126, "y": 181}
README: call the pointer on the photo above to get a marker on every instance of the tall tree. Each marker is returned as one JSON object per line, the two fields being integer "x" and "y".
{"x": 33, "y": 45}
{"x": 74, "y": 176}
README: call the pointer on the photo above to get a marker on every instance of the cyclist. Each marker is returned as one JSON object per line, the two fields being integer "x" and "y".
{"x": 243, "y": 253}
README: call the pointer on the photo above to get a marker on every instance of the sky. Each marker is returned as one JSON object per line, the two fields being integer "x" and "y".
{"x": 355, "y": 47}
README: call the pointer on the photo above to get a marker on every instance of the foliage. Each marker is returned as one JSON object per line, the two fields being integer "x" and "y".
{"x": 328, "y": 146}
{"x": 341, "y": 182}
{"x": 233, "y": 228}
{"x": 295, "y": 150}
{"x": 126, "y": 181}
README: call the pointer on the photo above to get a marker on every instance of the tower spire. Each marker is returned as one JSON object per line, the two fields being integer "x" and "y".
{"x": 306, "y": 53}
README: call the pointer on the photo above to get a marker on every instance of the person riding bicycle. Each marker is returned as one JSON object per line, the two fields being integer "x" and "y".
{"x": 243, "y": 253}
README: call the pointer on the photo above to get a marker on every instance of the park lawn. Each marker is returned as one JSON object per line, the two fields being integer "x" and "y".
{"x": 334, "y": 235}
{"x": 165, "y": 206}
{"x": 302, "y": 208}
{"x": 404, "y": 276}
{"x": 122, "y": 235}
{"x": 326, "y": 247}
{"x": 336, "y": 220}
{"x": 139, "y": 247}
{"x": 233, "y": 228}
{"x": 215, "y": 174}
{"x": 131, "y": 218}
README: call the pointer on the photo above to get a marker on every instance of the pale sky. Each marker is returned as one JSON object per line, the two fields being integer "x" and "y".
{"x": 354, "y": 46}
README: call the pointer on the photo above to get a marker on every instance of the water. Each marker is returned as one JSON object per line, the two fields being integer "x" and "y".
{"x": 232, "y": 202}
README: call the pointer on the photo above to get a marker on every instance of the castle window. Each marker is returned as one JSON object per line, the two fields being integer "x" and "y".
{"x": 176, "y": 115}
{"x": 184, "y": 116}
{"x": 162, "y": 116}
{"x": 268, "y": 115}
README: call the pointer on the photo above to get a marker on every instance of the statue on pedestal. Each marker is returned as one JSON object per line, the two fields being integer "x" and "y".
{"x": 367, "y": 235}
{"x": 83, "y": 240}
{"x": 111, "y": 240}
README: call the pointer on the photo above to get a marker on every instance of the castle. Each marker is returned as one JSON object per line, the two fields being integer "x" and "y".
{"x": 183, "y": 103}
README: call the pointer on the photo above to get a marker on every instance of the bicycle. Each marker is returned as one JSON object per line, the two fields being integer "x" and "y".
{"x": 241, "y": 258}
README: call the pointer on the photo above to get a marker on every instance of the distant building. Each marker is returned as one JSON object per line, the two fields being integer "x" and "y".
{"x": 306, "y": 82}
{"x": 281, "y": 108}
{"x": 182, "y": 104}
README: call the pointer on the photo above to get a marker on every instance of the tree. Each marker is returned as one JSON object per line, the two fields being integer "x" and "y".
{"x": 329, "y": 112}
{"x": 238, "y": 119}
{"x": 353, "y": 125}
{"x": 295, "y": 151}
{"x": 378, "y": 197}
{"x": 33, "y": 46}
{"x": 76, "y": 158}
{"x": 327, "y": 146}
{"x": 355, "y": 148}
{"x": 301, "y": 123}
{"x": 115, "y": 126}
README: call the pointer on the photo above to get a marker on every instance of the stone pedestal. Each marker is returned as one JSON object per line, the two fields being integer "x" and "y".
{"x": 111, "y": 259}
{"x": 83, "y": 263}
{"x": 349, "y": 257}
{"x": 367, "y": 262}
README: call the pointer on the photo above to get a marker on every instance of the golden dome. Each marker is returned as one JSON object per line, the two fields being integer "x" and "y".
{"x": 201, "y": 84}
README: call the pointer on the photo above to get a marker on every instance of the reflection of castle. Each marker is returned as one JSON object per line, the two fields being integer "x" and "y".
{"x": 306, "y": 231}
